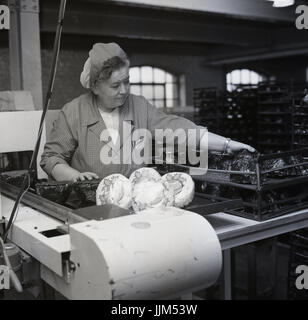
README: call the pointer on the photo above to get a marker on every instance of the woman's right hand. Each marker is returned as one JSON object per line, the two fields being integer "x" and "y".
{"x": 82, "y": 176}
{"x": 63, "y": 172}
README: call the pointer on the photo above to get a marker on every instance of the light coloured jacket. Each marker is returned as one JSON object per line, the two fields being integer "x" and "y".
{"x": 76, "y": 135}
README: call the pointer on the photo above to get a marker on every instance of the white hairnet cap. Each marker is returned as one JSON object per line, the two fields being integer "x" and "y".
{"x": 98, "y": 55}
{"x": 85, "y": 74}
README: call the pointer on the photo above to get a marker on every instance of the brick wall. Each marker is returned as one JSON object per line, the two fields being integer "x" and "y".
{"x": 67, "y": 85}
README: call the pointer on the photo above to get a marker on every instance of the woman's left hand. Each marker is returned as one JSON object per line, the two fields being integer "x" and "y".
{"x": 237, "y": 146}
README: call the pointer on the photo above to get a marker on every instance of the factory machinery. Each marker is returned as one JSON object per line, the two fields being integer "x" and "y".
{"x": 87, "y": 251}
{"x": 269, "y": 185}
{"x": 107, "y": 252}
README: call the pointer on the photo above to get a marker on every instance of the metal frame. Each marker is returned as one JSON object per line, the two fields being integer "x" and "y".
{"x": 25, "y": 50}
{"x": 259, "y": 187}
{"x": 234, "y": 231}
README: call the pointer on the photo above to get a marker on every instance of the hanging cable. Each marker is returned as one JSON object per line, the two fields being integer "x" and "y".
{"x": 30, "y": 172}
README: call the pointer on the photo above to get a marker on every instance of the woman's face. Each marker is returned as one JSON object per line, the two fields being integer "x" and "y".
{"x": 113, "y": 92}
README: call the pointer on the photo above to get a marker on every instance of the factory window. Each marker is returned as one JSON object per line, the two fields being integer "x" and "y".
{"x": 237, "y": 78}
{"x": 158, "y": 86}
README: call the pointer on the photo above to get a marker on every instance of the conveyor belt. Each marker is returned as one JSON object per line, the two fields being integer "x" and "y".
{"x": 43, "y": 205}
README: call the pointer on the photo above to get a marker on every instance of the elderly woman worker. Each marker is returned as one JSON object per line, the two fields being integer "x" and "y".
{"x": 73, "y": 149}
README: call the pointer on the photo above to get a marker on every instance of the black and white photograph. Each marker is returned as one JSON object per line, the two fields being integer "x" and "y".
{"x": 154, "y": 153}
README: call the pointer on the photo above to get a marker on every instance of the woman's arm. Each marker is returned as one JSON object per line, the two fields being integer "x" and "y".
{"x": 222, "y": 144}
{"x": 59, "y": 148}
{"x": 158, "y": 119}
{"x": 58, "y": 152}
{"x": 62, "y": 172}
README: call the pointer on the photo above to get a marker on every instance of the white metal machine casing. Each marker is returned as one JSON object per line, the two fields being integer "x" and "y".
{"x": 159, "y": 253}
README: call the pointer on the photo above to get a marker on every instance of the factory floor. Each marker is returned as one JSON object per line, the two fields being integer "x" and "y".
{"x": 268, "y": 281}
